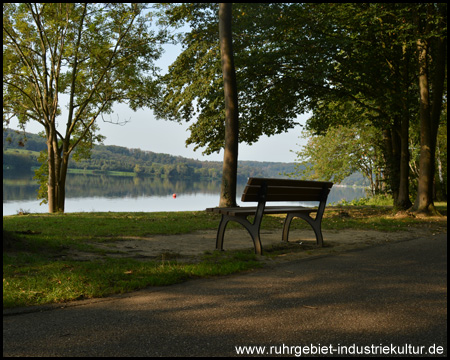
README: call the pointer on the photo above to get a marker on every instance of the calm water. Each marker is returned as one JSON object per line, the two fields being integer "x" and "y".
{"x": 86, "y": 193}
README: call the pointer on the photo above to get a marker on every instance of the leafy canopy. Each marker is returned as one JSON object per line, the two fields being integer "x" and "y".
{"x": 269, "y": 49}
{"x": 96, "y": 54}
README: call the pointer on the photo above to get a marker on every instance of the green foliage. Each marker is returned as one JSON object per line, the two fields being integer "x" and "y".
{"x": 377, "y": 200}
{"x": 349, "y": 63}
{"x": 372, "y": 73}
{"x": 340, "y": 152}
{"x": 120, "y": 159}
{"x": 193, "y": 87}
{"x": 97, "y": 54}
{"x": 41, "y": 175}
{"x": 19, "y": 160}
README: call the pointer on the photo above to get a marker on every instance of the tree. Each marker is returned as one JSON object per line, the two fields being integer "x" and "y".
{"x": 230, "y": 156}
{"x": 192, "y": 90}
{"x": 374, "y": 71}
{"x": 194, "y": 86}
{"x": 391, "y": 56}
{"x": 293, "y": 57}
{"x": 94, "y": 54}
{"x": 339, "y": 153}
{"x": 283, "y": 70}
{"x": 431, "y": 27}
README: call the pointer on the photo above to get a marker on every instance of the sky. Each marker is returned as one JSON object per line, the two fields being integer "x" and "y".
{"x": 147, "y": 133}
{"x": 144, "y": 132}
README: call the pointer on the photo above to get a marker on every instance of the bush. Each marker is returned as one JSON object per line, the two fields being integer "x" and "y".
{"x": 376, "y": 200}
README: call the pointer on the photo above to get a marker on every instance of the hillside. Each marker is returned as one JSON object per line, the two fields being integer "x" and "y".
{"x": 21, "y": 154}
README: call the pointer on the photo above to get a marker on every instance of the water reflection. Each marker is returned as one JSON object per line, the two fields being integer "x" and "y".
{"x": 23, "y": 187}
{"x": 115, "y": 193}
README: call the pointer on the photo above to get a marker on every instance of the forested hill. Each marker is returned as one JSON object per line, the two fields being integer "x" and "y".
{"x": 20, "y": 154}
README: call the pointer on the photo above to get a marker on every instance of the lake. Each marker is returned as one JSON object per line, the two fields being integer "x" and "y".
{"x": 102, "y": 193}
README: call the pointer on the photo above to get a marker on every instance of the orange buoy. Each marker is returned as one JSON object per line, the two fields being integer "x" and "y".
{"x": 174, "y": 196}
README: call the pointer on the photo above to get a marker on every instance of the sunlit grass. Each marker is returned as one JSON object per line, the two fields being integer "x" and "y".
{"x": 36, "y": 280}
{"x": 37, "y": 270}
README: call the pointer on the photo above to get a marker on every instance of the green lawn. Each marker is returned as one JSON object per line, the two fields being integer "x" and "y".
{"x": 38, "y": 270}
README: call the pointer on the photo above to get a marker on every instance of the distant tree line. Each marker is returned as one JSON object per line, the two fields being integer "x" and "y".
{"x": 21, "y": 153}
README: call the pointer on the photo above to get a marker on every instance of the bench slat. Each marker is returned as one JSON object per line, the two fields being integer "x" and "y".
{"x": 289, "y": 182}
{"x": 283, "y": 193}
{"x": 245, "y": 211}
{"x": 286, "y": 189}
{"x": 280, "y": 190}
{"x": 282, "y": 197}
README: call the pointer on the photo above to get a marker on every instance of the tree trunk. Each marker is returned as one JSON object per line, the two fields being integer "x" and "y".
{"x": 230, "y": 157}
{"x": 62, "y": 183}
{"x": 442, "y": 184}
{"x": 430, "y": 49}
{"x": 403, "y": 202}
{"x": 57, "y": 171}
{"x": 51, "y": 180}
{"x": 392, "y": 158}
{"x": 438, "y": 83}
{"x": 429, "y": 123}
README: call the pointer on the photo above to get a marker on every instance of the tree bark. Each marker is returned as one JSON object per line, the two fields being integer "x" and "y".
{"x": 424, "y": 192}
{"x": 429, "y": 122}
{"x": 230, "y": 157}
{"x": 392, "y": 157}
{"x": 403, "y": 202}
{"x": 51, "y": 181}
{"x": 432, "y": 54}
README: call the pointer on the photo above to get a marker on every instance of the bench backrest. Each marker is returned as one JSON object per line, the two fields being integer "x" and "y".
{"x": 285, "y": 190}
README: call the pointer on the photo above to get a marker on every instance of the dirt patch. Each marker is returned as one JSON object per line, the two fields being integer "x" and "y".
{"x": 302, "y": 243}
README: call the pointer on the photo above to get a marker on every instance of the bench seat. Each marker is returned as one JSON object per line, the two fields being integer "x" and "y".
{"x": 250, "y": 210}
{"x": 262, "y": 190}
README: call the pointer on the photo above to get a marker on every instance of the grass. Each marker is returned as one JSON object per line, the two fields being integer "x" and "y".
{"x": 22, "y": 151}
{"x": 96, "y": 172}
{"x": 376, "y": 200}
{"x": 37, "y": 269}
{"x": 35, "y": 281}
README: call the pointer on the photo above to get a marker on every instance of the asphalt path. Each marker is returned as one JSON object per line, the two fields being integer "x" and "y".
{"x": 385, "y": 300}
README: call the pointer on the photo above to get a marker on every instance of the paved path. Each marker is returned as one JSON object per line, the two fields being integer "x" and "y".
{"x": 390, "y": 294}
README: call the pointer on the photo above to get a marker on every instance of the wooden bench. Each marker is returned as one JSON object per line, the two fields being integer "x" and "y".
{"x": 262, "y": 190}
